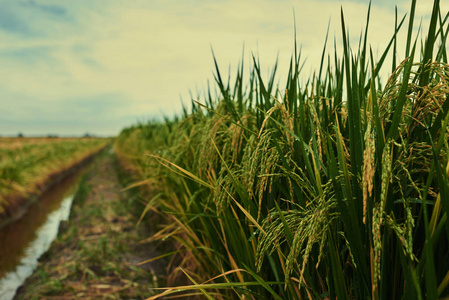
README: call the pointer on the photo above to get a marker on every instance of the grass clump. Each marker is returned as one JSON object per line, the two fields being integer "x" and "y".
{"x": 336, "y": 188}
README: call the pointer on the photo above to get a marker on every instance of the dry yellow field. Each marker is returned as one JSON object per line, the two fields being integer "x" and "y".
{"x": 28, "y": 165}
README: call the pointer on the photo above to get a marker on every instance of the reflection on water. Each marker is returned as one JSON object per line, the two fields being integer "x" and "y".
{"x": 24, "y": 241}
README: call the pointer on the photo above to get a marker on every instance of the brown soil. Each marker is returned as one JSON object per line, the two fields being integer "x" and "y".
{"x": 97, "y": 251}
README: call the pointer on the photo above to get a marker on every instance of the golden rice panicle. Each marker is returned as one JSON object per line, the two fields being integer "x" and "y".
{"x": 249, "y": 165}
{"x": 318, "y": 131}
{"x": 310, "y": 226}
{"x": 368, "y": 166}
{"x": 386, "y": 174}
{"x": 377, "y": 243}
{"x": 287, "y": 119}
{"x": 224, "y": 188}
{"x": 429, "y": 99}
{"x": 269, "y": 158}
{"x": 214, "y": 132}
{"x": 404, "y": 231}
{"x": 237, "y": 136}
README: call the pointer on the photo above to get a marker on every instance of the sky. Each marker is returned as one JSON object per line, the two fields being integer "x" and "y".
{"x": 90, "y": 66}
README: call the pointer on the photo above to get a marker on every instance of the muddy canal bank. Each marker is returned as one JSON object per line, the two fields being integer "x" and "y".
{"x": 24, "y": 241}
{"x": 97, "y": 251}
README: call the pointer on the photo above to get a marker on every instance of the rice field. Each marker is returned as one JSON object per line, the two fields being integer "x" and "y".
{"x": 333, "y": 188}
{"x": 28, "y": 165}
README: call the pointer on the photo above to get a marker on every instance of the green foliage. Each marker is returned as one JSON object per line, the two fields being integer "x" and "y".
{"x": 333, "y": 189}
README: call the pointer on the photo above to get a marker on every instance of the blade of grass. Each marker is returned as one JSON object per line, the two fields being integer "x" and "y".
{"x": 263, "y": 283}
{"x": 182, "y": 172}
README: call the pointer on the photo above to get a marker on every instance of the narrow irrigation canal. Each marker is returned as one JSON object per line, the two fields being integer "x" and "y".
{"x": 96, "y": 252}
{"x": 25, "y": 240}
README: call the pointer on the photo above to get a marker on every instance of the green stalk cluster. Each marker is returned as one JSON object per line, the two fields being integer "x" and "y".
{"x": 318, "y": 190}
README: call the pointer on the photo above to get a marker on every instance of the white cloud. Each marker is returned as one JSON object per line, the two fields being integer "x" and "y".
{"x": 147, "y": 53}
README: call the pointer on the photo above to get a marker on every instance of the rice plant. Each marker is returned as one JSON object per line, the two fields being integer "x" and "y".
{"x": 337, "y": 188}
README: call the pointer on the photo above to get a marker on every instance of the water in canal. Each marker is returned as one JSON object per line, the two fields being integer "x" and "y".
{"x": 24, "y": 241}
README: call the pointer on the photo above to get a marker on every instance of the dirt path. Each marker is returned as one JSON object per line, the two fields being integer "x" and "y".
{"x": 96, "y": 253}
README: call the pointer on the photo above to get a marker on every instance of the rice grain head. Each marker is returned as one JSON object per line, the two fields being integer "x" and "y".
{"x": 368, "y": 165}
